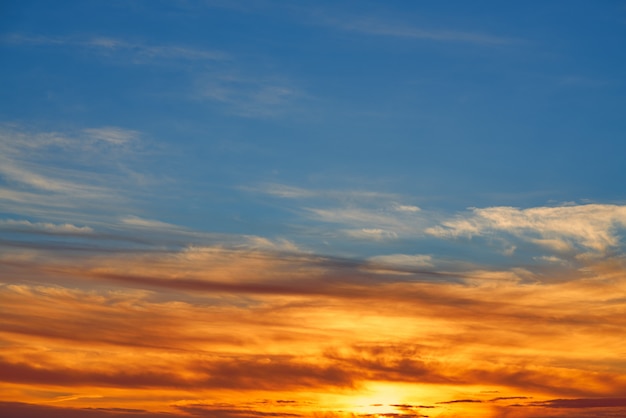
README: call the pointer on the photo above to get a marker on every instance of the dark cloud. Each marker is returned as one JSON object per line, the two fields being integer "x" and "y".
{"x": 461, "y": 401}
{"x": 506, "y": 398}
{"x": 408, "y": 407}
{"x": 16, "y": 372}
{"x": 25, "y": 410}
{"x": 388, "y": 362}
{"x": 583, "y": 403}
{"x": 228, "y": 411}
{"x": 243, "y": 372}
{"x": 273, "y": 372}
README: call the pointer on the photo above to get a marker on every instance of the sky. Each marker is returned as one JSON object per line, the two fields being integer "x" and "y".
{"x": 325, "y": 209}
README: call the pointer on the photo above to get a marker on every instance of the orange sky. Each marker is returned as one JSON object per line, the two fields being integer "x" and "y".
{"x": 209, "y": 331}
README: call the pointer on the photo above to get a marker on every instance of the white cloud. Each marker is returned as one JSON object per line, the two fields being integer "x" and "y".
{"x": 551, "y": 259}
{"x": 41, "y": 179}
{"x": 265, "y": 244}
{"x": 46, "y": 227}
{"x": 375, "y": 234}
{"x": 284, "y": 191}
{"x": 593, "y": 226}
{"x": 360, "y": 213}
{"x": 406, "y": 208}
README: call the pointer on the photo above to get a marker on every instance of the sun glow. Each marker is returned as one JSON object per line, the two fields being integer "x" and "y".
{"x": 379, "y": 399}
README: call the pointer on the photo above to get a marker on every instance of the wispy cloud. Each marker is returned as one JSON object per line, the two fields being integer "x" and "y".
{"x": 105, "y": 45}
{"x": 249, "y": 96}
{"x": 382, "y": 221}
{"x": 296, "y": 192}
{"x": 51, "y": 172}
{"x": 377, "y": 27}
{"x": 113, "y": 135}
{"x": 247, "y": 93}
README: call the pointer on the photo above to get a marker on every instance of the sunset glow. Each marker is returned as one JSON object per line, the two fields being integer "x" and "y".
{"x": 314, "y": 209}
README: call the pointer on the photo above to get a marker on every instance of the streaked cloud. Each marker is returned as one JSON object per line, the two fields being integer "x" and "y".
{"x": 48, "y": 173}
{"x": 295, "y": 192}
{"x": 136, "y": 221}
{"x": 370, "y": 222}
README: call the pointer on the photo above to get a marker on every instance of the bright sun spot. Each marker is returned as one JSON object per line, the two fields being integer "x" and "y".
{"x": 378, "y": 399}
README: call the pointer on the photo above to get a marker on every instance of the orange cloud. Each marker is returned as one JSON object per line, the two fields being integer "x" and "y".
{"x": 176, "y": 331}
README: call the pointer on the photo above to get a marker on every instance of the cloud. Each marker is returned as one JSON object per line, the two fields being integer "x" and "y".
{"x": 402, "y": 260}
{"x": 259, "y": 319}
{"x": 294, "y": 192}
{"x": 363, "y": 214}
{"x": 136, "y": 221}
{"x": 264, "y": 244}
{"x": 26, "y": 410}
{"x": 592, "y": 227}
{"x": 113, "y": 135}
{"x": 375, "y": 234}
{"x": 406, "y": 208}
{"x": 45, "y": 227}
{"x": 229, "y": 411}
{"x": 583, "y": 403}
{"x": 369, "y": 223}
{"x": 186, "y": 346}
{"x": 104, "y": 45}
{"x": 77, "y": 175}
{"x": 17, "y": 372}
{"x": 461, "y": 401}
{"x": 28, "y": 176}
{"x": 285, "y": 191}
{"x": 249, "y": 96}
{"x": 235, "y": 372}
{"x": 18, "y": 142}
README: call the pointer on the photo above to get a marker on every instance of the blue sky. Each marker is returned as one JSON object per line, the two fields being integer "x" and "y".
{"x": 262, "y": 118}
{"x": 380, "y": 142}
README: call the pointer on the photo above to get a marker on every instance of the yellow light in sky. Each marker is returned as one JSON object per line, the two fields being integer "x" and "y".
{"x": 379, "y": 398}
